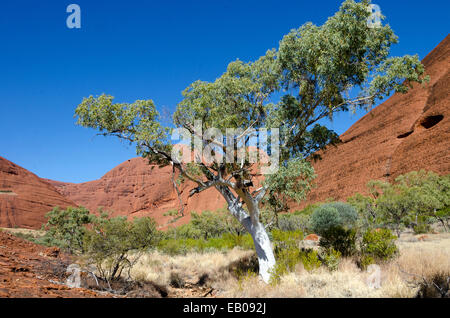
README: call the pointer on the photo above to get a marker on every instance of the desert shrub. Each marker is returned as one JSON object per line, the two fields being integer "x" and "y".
{"x": 366, "y": 209}
{"x": 285, "y": 239}
{"x": 172, "y": 212}
{"x": 176, "y": 281}
{"x": 172, "y": 246}
{"x": 287, "y": 252}
{"x": 244, "y": 241}
{"x": 293, "y": 222}
{"x": 365, "y": 260}
{"x": 183, "y": 232}
{"x": 324, "y": 218}
{"x": 115, "y": 244}
{"x": 340, "y": 239}
{"x": 207, "y": 225}
{"x": 66, "y": 228}
{"x": 421, "y": 228}
{"x": 287, "y": 259}
{"x": 308, "y": 210}
{"x": 330, "y": 258}
{"x": 332, "y": 215}
{"x": 310, "y": 259}
{"x": 377, "y": 246}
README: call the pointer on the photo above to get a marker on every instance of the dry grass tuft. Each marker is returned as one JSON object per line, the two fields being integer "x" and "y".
{"x": 158, "y": 267}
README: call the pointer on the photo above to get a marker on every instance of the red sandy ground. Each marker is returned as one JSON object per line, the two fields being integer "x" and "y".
{"x": 27, "y": 269}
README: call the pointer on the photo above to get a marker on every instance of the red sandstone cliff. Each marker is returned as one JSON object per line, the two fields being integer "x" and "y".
{"x": 25, "y": 198}
{"x": 134, "y": 188}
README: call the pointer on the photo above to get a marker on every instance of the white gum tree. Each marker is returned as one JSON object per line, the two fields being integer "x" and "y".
{"x": 316, "y": 72}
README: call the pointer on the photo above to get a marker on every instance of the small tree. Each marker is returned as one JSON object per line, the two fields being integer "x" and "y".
{"x": 111, "y": 241}
{"x": 393, "y": 205}
{"x": 366, "y": 208}
{"x": 66, "y": 228}
{"x": 316, "y": 72}
{"x": 429, "y": 193}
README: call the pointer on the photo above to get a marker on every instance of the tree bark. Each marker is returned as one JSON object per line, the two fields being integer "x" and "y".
{"x": 266, "y": 259}
{"x": 264, "y": 252}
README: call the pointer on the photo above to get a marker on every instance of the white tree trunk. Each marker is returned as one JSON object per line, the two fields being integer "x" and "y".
{"x": 266, "y": 259}
{"x": 264, "y": 252}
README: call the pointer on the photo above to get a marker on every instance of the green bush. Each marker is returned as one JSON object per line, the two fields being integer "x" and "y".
{"x": 378, "y": 246}
{"x": 333, "y": 215}
{"x": 115, "y": 244}
{"x": 286, "y": 260}
{"x": 330, "y": 258}
{"x": 324, "y": 218}
{"x": 340, "y": 239}
{"x": 183, "y": 232}
{"x": 225, "y": 242}
{"x": 310, "y": 259}
{"x": 285, "y": 239}
{"x": 207, "y": 225}
{"x": 293, "y": 222}
{"x": 422, "y": 228}
{"x": 66, "y": 228}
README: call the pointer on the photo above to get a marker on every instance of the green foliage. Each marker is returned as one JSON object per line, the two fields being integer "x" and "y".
{"x": 310, "y": 260}
{"x": 171, "y": 213}
{"x": 308, "y": 210}
{"x": 332, "y": 215}
{"x": 378, "y": 246}
{"x": 413, "y": 201}
{"x": 207, "y": 225}
{"x": 183, "y": 231}
{"x": 115, "y": 244}
{"x": 366, "y": 260}
{"x": 227, "y": 241}
{"x": 366, "y": 208}
{"x": 287, "y": 252}
{"x": 292, "y": 180}
{"x": 324, "y": 218}
{"x": 330, "y": 258}
{"x": 293, "y": 222}
{"x": 214, "y": 224}
{"x": 66, "y": 228}
{"x": 286, "y": 237}
{"x": 340, "y": 239}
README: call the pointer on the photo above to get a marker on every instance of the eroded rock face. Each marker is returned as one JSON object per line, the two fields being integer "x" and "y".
{"x": 135, "y": 188}
{"x": 407, "y": 132}
{"x": 25, "y": 198}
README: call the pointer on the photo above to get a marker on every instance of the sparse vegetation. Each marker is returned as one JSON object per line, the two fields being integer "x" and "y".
{"x": 111, "y": 241}
{"x": 377, "y": 246}
{"x": 66, "y": 228}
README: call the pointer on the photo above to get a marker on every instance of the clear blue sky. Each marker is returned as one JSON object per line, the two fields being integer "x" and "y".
{"x": 145, "y": 50}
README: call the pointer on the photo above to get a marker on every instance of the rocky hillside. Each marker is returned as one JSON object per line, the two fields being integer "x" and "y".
{"x": 135, "y": 188}
{"x": 25, "y": 198}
